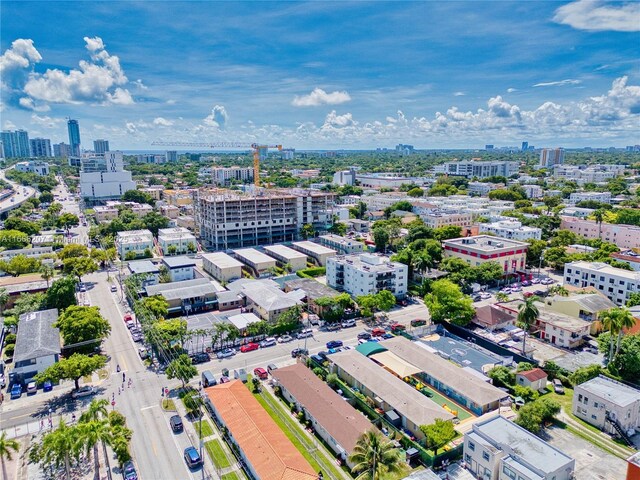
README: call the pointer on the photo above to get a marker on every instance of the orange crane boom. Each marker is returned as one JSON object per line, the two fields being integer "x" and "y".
{"x": 257, "y": 148}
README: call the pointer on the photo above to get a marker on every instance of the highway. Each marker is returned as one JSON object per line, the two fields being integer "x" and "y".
{"x": 19, "y": 196}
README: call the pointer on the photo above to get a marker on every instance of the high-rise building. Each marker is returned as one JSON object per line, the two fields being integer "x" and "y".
{"x": 74, "y": 137}
{"x": 40, "y": 147}
{"x": 525, "y": 146}
{"x": 480, "y": 169}
{"x": 61, "y": 150}
{"x": 550, "y": 157}
{"x": 488, "y": 147}
{"x": 104, "y": 178}
{"x": 16, "y": 143}
{"x": 100, "y": 146}
{"x": 171, "y": 156}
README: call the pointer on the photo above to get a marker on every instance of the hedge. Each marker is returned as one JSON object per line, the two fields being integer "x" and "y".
{"x": 311, "y": 272}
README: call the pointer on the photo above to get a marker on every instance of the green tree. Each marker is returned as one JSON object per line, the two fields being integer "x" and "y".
{"x": 138, "y": 197}
{"x": 535, "y": 252}
{"x": 416, "y": 192}
{"x": 367, "y": 304}
{"x": 381, "y": 239}
{"x": 4, "y": 299}
{"x": 90, "y": 434}
{"x": 79, "y": 266}
{"x": 307, "y": 231}
{"x": 46, "y": 197}
{"x": 73, "y": 368}
{"x": 191, "y": 247}
{"x": 27, "y": 302}
{"x": 556, "y": 257}
{"x": 505, "y": 194}
{"x": 60, "y": 445}
{"x": 20, "y": 264}
{"x": 488, "y": 272}
{"x": 447, "y": 302}
{"x": 47, "y": 272}
{"x": 62, "y": 293}
{"x": 385, "y": 300}
{"x": 626, "y": 362}
{"x": 182, "y": 369}
{"x": 17, "y": 223}
{"x": 551, "y": 202}
{"x": 447, "y": 232}
{"x": 67, "y": 220}
{"x": 438, "y": 434}
{"x": 172, "y": 249}
{"x": 374, "y": 456}
{"x": 156, "y": 305}
{"x": 79, "y": 324}
{"x": 73, "y": 250}
{"x": 338, "y": 228}
{"x": 502, "y": 376}
{"x": 527, "y": 316}
{"x": 153, "y": 221}
{"x": 584, "y": 374}
{"x": 634, "y": 299}
{"x": 6, "y": 447}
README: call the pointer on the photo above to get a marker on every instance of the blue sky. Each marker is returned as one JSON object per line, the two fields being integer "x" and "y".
{"x": 324, "y": 74}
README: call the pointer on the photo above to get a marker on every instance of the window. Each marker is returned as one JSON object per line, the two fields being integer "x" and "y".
{"x": 485, "y": 456}
{"x": 467, "y": 458}
{"x": 508, "y": 472}
{"x": 593, "y": 416}
{"x": 472, "y": 446}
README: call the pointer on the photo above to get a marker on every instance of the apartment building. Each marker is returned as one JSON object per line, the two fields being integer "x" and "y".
{"x": 315, "y": 251}
{"x": 624, "y": 236}
{"x": 342, "y": 245}
{"x": 582, "y": 174}
{"x": 260, "y": 263}
{"x": 380, "y": 180}
{"x": 483, "y": 188}
{"x": 442, "y": 218}
{"x": 478, "y": 168}
{"x": 498, "y": 449}
{"x": 180, "y": 268}
{"x": 155, "y": 191}
{"x": 577, "y": 212}
{"x": 229, "y": 219}
{"x": 366, "y": 274}
{"x": 179, "y": 198}
{"x": 32, "y": 166}
{"x": 103, "y": 213}
{"x": 221, "y": 266}
{"x": 533, "y": 191}
{"x": 33, "y": 252}
{"x": 607, "y": 404}
{"x": 510, "y": 254}
{"x": 178, "y": 237}
{"x": 287, "y": 256}
{"x": 136, "y": 241}
{"x": 149, "y": 270}
{"x": 224, "y": 176}
{"x": 549, "y": 157}
{"x": 617, "y": 284}
{"x": 602, "y": 197}
{"x": 512, "y": 230}
{"x": 103, "y": 177}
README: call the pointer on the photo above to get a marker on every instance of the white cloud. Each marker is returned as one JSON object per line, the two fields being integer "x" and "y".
{"x": 8, "y": 125}
{"x": 333, "y": 120}
{"x": 459, "y": 94}
{"x": 99, "y": 81}
{"x": 568, "y": 81}
{"x": 163, "y": 122}
{"x": 218, "y": 117}
{"x": 28, "y": 103}
{"x": 511, "y": 90}
{"x": 320, "y": 97}
{"x": 140, "y": 85}
{"x": 14, "y": 63}
{"x": 46, "y": 121}
{"x": 596, "y": 15}
{"x": 171, "y": 102}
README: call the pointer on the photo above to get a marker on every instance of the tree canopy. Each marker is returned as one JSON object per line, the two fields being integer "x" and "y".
{"x": 80, "y": 324}
{"x": 73, "y": 368}
{"x": 447, "y": 302}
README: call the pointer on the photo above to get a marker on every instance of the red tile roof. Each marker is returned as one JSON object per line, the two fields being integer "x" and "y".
{"x": 266, "y": 448}
{"x": 533, "y": 375}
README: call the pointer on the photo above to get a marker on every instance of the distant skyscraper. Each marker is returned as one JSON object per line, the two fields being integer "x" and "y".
{"x": 74, "y": 137}
{"x": 525, "y": 146}
{"x": 100, "y": 146}
{"x": 172, "y": 156}
{"x": 488, "y": 147}
{"x": 40, "y": 147}
{"x": 61, "y": 150}
{"x": 550, "y": 157}
{"x": 16, "y": 144}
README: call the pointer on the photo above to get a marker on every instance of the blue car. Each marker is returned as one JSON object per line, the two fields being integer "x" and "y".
{"x": 47, "y": 386}
{"x": 129, "y": 471}
{"x": 334, "y": 344}
{"x": 16, "y": 391}
{"x": 192, "y": 457}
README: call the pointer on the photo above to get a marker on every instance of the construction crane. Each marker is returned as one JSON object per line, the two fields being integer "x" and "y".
{"x": 257, "y": 148}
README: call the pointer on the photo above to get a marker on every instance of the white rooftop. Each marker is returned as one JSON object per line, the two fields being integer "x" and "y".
{"x": 222, "y": 260}
{"x": 612, "y": 391}
{"x": 134, "y": 236}
{"x": 243, "y": 319}
{"x": 284, "y": 251}
{"x": 314, "y": 247}
{"x": 605, "y": 268}
{"x": 486, "y": 243}
{"x": 254, "y": 256}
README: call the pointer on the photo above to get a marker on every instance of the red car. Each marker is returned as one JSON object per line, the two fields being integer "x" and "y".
{"x": 378, "y": 332}
{"x": 249, "y": 347}
{"x": 398, "y": 327}
{"x": 128, "y": 317}
{"x": 261, "y": 373}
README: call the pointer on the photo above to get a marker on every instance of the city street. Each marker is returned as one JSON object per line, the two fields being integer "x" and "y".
{"x": 21, "y": 193}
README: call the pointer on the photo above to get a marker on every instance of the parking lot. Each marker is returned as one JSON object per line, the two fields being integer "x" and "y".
{"x": 591, "y": 462}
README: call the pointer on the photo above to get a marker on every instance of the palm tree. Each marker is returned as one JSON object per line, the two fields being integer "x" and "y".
{"x": 59, "y": 445}
{"x": 6, "y": 446}
{"x": 4, "y": 299}
{"x": 374, "y": 456}
{"x": 96, "y": 411}
{"x": 92, "y": 433}
{"x": 47, "y": 272}
{"x": 611, "y": 321}
{"x": 598, "y": 215}
{"x": 422, "y": 262}
{"x": 527, "y": 315}
{"x": 626, "y": 320}
{"x": 558, "y": 290}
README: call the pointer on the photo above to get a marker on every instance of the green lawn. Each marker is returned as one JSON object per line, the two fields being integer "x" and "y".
{"x": 232, "y": 476}
{"x": 206, "y": 428}
{"x": 168, "y": 404}
{"x": 441, "y": 399}
{"x": 217, "y": 454}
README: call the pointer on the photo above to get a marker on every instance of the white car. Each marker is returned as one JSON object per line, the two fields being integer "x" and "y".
{"x": 535, "y": 280}
{"x": 306, "y": 333}
{"x": 285, "y": 339}
{"x": 268, "y": 342}
{"x": 83, "y": 392}
{"x": 226, "y": 353}
{"x": 485, "y": 295}
{"x": 348, "y": 323}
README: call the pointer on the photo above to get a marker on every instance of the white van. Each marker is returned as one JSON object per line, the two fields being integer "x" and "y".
{"x": 306, "y": 333}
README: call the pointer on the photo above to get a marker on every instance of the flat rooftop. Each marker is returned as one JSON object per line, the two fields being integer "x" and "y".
{"x": 185, "y": 289}
{"x": 222, "y": 260}
{"x": 486, "y": 243}
{"x": 284, "y": 252}
{"x": 134, "y": 235}
{"x": 313, "y": 247}
{"x": 311, "y": 287}
{"x": 143, "y": 266}
{"x": 254, "y": 256}
{"x": 604, "y": 268}
{"x": 612, "y": 391}
{"x": 179, "y": 262}
{"x": 339, "y": 240}
{"x": 369, "y": 262}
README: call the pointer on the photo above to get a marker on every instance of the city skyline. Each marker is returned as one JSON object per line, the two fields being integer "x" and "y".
{"x": 330, "y": 75}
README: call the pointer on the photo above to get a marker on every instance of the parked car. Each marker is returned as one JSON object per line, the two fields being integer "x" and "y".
{"x": 285, "y": 339}
{"x": 271, "y": 367}
{"x": 317, "y": 359}
{"x": 192, "y": 457}
{"x": 377, "y": 332}
{"x": 3, "y": 382}
{"x": 47, "y": 386}
{"x": 540, "y": 293}
{"x": 306, "y": 333}
{"x": 476, "y": 298}
{"x": 32, "y": 388}
{"x": 127, "y": 317}
{"x": 506, "y": 290}
{"x": 387, "y": 336}
{"x": 525, "y": 283}
{"x": 143, "y": 352}
{"x": 176, "y": 424}
{"x": 528, "y": 294}
{"x": 547, "y": 281}
{"x": 226, "y": 353}
{"x": 249, "y": 347}
{"x": 114, "y": 288}
{"x": 268, "y": 342}
{"x": 333, "y": 327}
{"x": 261, "y": 373}
{"x": 485, "y": 295}
{"x": 516, "y": 288}
{"x": 535, "y": 281}
{"x": 348, "y": 323}
{"x": 85, "y": 391}
{"x": 334, "y": 344}
{"x": 557, "y": 386}
{"x": 418, "y": 322}
{"x": 200, "y": 357}
{"x": 16, "y": 391}
{"x": 364, "y": 336}
{"x": 296, "y": 352}
{"x": 398, "y": 327}
{"x": 129, "y": 471}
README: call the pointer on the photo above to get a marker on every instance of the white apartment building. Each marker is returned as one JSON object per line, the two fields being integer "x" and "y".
{"x": 480, "y": 169}
{"x": 533, "y": 191}
{"x": 179, "y": 237}
{"x": 602, "y": 197}
{"x": 221, "y": 266}
{"x": 582, "y": 174}
{"x": 498, "y": 449}
{"x": 33, "y": 252}
{"x": 624, "y": 236}
{"x": 344, "y": 177}
{"x": 103, "y": 177}
{"x": 260, "y": 263}
{"x": 103, "y": 213}
{"x": 180, "y": 268}
{"x": 342, "y": 245}
{"x": 510, "y": 254}
{"x": 442, "y": 218}
{"x": 577, "y": 212}
{"x": 379, "y": 180}
{"x": 229, "y": 219}
{"x": 617, "y": 284}
{"x": 313, "y": 250}
{"x": 136, "y": 241}
{"x": 380, "y": 201}
{"x": 224, "y": 176}
{"x": 511, "y": 229}
{"x": 287, "y": 256}
{"x": 609, "y": 405}
{"x": 366, "y": 274}
{"x": 482, "y": 188}
{"x": 550, "y": 157}
{"x": 39, "y": 168}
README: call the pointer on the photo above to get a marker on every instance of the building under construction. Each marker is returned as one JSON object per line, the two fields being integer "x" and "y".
{"x": 233, "y": 219}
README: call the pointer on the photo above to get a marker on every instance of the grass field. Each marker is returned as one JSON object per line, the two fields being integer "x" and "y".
{"x": 440, "y": 399}
{"x": 232, "y": 476}
{"x": 206, "y": 428}
{"x": 217, "y": 454}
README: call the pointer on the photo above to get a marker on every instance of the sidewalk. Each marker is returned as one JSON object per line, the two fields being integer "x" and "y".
{"x": 599, "y": 439}
{"x": 36, "y": 426}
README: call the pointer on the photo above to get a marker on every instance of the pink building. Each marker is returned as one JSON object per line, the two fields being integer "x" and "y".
{"x": 624, "y": 236}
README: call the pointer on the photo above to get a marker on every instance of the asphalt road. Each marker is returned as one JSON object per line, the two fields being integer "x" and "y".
{"x": 20, "y": 194}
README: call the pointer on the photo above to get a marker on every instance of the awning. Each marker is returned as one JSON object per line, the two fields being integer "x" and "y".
{"x": 395, "y": 364}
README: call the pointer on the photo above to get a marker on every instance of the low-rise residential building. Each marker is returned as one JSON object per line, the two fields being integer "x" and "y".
{"x": 315, "y": 251}
{"x": 624, "y": 236}
{"x": 267, "y": 301}
{"x": 358, "y": 225}
{"x": 535, "y": 379}
{"x": 230, "y": 300}
{"x": 34, "y": 166}
{"x": 334, "y": 420}
{"x": 366, "y": 274}
{"x": 577, "y": 212}
{"x": 257, "y": 261}
{"x": 483, "y": 188}
{"x": 498, "y": 449}
{"x": 186, "y": 297}
{"x": 399, "y": 400}
{"x": 154, "y": 191}
{"x": 342, "y": 245}
{"x": 37, "y": 343}
{"x": 607, "y": 404}
{"x": 150, "y": 270}
{"x": 169, "y": 211}
{"x": 293, "y": 259}
{"x": 617, "y": 284}
{"x": 533, "y": 191}
{"x": 178, "y": 238}
{"x": 103, "y": 213}
{"x": 380, "y": 180}
{"x": 33, "y": 252}
{"x": 178, "y": 198}
{"x": 180, "y": 268}
{"x": 136, "y": 242}
{"x": 441, "y": 218}
{"x": 582, "y": 174}
{"x": 477, "y": 168}
{"x": 492, "y": 318}
{"x": 313, "y": 291}
{"x": 585, "y": 306}
{"x": 221, "y": 266}
{"x": 476, "y": 250}
{"x": 512, "y": 230}
{"x": 264, "y": 448}
{"x": 186, "y": 221}
{"x": 602, "y": 197}
{"x": 629, "y": 256}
